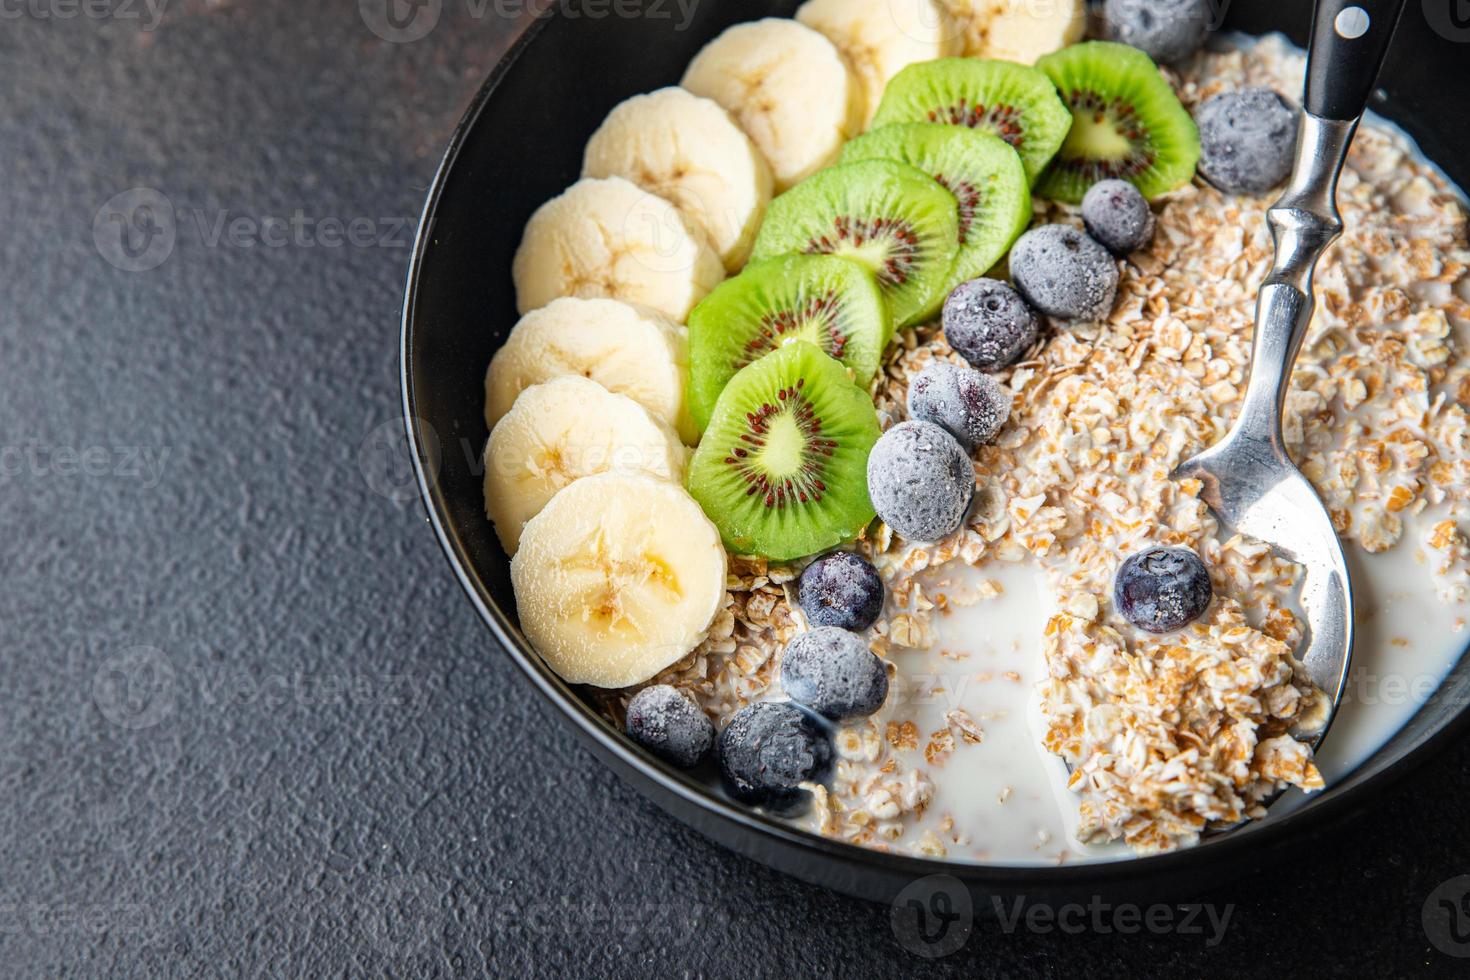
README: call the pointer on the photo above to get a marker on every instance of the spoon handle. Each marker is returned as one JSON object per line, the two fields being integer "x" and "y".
{"x": 1349, "y": 41}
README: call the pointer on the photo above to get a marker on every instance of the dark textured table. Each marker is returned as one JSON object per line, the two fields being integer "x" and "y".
{"x": 248, "y": 725}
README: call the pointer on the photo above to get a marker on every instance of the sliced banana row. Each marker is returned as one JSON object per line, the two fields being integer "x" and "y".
{"x": 688, "y": 151}
{"x": 788, "y": 87}
{"x": 617, "y": 578}
{"x": 560, "y": 431}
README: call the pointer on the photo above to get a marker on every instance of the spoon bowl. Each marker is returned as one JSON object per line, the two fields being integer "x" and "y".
{"x": 1262, "y": 495}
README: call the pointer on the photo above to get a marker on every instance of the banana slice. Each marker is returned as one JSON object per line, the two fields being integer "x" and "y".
{"x": 561, "y": 431}
{"x": 880, "y": 38}
{"x": 628, "y": 350}
{"x": 688, "y": 151}
{"x": 612, "y": 238}
{"x": 617, "y": 578}
{"x": 971, "y": 17}
{"x": 1018, "y": 30}
{"x": 788, "y": 88}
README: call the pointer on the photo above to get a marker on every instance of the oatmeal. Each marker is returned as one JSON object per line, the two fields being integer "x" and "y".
{"x": 1163, "y": 737}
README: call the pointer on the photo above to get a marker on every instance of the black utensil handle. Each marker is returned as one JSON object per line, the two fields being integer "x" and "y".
{"x": 1349, "y": 40}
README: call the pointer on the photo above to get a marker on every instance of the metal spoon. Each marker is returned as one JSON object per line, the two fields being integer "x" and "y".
{"x": 1249, "y": 480}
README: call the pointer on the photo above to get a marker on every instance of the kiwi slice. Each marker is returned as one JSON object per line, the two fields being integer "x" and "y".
{"x": 830, "y": 302}
{"x": 890, "y": 217}
{"x": 983, "y": 172}
{"x": 782, "y": 468}
{"x": 1011, "y": 101}
{"x": 1127, "y": 123}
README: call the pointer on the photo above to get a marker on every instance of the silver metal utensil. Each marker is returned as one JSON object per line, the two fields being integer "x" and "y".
{"x": 1249, "y": 480}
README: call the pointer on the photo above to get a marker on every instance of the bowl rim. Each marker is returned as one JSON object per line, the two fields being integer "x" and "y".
{"x": 1251, "y": 840}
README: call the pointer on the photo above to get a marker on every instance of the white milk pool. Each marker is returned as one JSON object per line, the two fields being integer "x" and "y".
{"x": 1010, "y": 794}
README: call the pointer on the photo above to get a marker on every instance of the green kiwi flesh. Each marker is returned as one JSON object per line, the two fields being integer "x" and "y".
{"x": 1127, "y": 123}
{"x": 983, "y": 172}
{"x": 782, "y": 468}
{"x": 828, "y": 301}
{"x": 1013, "y": 102}
{"x": 890, "y": 217}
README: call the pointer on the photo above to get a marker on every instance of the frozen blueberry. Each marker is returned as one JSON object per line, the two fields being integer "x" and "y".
{"x": 768, "y": 750}
{"x": 1247, "y": 140}
{"x": 1116, "y": 214}
{"x": 920, "y": 481}
{"x": 842, "y": 590}
{"x": 989, "y": 324}
{"x": 1166, "y": 30}
{"x": 1064, "y": 274}
{"x": 969, "y": 405}
{"x": 669, "y": 725}
{"x": 834, "y": 673}
{"x": 1162, "y": 589}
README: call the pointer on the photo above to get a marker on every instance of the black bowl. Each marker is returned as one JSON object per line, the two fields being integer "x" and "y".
{"x": 519, "y": 144}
